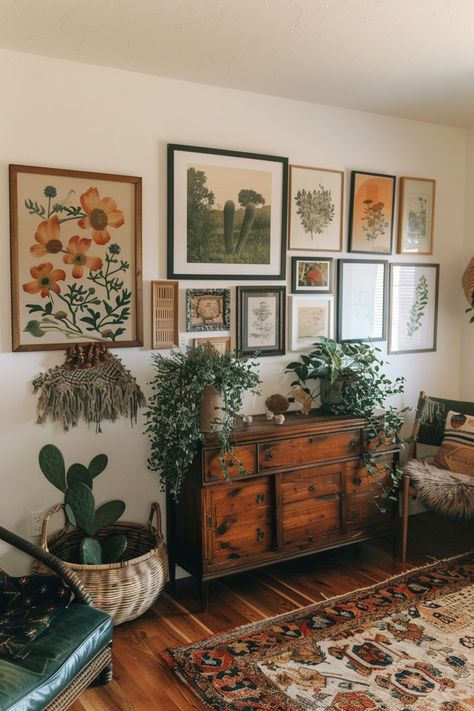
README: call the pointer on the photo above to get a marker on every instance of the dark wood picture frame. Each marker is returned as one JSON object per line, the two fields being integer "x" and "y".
{"x": 50, "y": 211}
{"x": 297, "y": 288}
{"x": 277, "y": 344}
{"x": 372, "y": 214}
{"x": 361, "y": 302}
{"x": 273, "y": 246}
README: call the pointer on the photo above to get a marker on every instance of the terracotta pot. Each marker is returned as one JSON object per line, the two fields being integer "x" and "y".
{"x": 211, "y": 408}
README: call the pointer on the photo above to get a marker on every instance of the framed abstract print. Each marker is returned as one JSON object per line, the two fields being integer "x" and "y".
{"x": 227, "y": 214}
{"x": 371, "y": 213}
{"x": 362, "y": 296}
{"x": 75, "y": 258}
{"x": 164, "y": 310}
{"x": 221, "y": 344}
{"x": 311, "y": 275}
{"x": 261, "y": 320}
{"x": 316, "y": 202}
{"x": 413, "y": 307}
{"x": 311, "y": 318}
{"x": 416, "y": 216}
{"x": 207, "y": 309}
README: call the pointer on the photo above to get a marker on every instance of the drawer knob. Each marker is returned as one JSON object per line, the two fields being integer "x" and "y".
{"x": 354, "y": 443}
{"x": 310, "y": 539}
{"x": 260, "y": 535}
{"x": 268, "y": 455}
{"x": 357, "y": 481}
{"x": 312, "y": 440}
{"x": 260, "y": 498}
{"x": 311, "y": 488}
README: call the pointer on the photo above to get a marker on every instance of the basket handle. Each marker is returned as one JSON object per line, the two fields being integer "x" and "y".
{"x": 155, "y": 511}
{"x": 44, "y": 528}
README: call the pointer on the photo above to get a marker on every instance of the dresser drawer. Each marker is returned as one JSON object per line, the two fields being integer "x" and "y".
{"x": 312, "y": 448}
{"x": 242, "y": 461}
{"x": 359, "y": 481}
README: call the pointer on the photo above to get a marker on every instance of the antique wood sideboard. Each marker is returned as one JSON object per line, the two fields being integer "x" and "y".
{"x": 294, "y": 489}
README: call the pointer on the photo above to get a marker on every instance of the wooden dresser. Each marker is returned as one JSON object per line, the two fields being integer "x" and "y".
{"x": 300, "y": 488}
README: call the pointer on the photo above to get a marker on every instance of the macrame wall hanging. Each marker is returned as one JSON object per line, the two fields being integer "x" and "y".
{"x": 92, "y": 385}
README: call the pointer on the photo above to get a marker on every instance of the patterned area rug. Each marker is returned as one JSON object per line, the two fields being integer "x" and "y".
{"x": 406, "y": 643}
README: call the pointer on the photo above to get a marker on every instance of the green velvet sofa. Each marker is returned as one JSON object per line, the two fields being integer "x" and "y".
{"x": 71, "y": 651}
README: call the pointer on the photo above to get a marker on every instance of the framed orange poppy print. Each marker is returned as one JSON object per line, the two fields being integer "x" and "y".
{"x": 75, "y": 258}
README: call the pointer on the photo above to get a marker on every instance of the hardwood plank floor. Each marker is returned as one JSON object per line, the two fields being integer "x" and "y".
{"x": 143, "y": 682}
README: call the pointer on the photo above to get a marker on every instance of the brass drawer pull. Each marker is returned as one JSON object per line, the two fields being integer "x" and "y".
{"x": 311, "y": 488}
{"x": 310, "y": 539}
{"x": 260, "y": 498}
{"x": 354, "y": 443}
{"x": 357, "y": 481}
{"x": 268, "y": 455}
{"x": 312, "y": 440}
{"x": 260, "y": 535}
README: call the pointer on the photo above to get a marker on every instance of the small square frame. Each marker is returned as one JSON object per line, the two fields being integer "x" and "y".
{"x": 207, "y": 310}
{"x": 301, "y": 270}
{"x": 298, "y": 341}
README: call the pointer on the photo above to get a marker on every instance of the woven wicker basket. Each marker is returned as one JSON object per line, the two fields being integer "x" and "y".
{"x": 124, "y": 590}
{"x": 468, "y": 282}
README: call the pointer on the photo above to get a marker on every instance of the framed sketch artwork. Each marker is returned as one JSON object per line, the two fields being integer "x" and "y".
{"x": 311, "y": 318}
{"x": 316, "y": 200}
{"x": 362, "y": 290}
{"x": 371, "y": 212}
{"x": 207, "y": 309}
{"x": 413, "y": 307}
{"x": 416, "y": 216}
{"x": 311, "y": 275}
{"x": 75, "y": 258}
{"x": 227, "y": 214}
{"x": 261, "y": 320}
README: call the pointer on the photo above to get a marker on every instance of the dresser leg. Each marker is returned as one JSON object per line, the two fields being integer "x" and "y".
{"x": 204, "y": 590}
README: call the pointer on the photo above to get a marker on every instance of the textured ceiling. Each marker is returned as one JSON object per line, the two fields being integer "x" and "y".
{"x": 409, "y": 58}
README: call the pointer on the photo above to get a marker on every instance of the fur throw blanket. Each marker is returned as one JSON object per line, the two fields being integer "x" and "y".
{"x": 441, "y": 490}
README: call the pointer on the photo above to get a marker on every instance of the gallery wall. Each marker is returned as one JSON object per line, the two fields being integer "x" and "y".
{"x": 68, "y": 115}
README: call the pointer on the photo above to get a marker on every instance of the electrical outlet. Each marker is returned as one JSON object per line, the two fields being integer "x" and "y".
{"x": 36, "y": 522}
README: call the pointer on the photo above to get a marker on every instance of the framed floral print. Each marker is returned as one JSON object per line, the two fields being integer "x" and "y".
{"x": 416, "y": 216}
{"x": 362, "y": 298}
{"x": 261, "y": 320}
{"x": 413, "y": 307}
{"x": 75, "y": 258}
{"x": 316, "y": 202}
{"x": 311, "y": 318}
{"x": 207, "y": 309}
{"x": 227, "y": 214}
{"x": 371, "y": 212}
{"x": 311, "y": 275}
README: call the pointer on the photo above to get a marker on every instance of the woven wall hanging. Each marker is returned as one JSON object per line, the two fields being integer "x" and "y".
{"x": 92, "y": 385}
{"x": 468, "y": 282}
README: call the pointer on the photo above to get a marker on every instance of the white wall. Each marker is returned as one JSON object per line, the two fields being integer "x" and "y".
{"x": 61, "y": 114}
{"x": 467, "y": 352}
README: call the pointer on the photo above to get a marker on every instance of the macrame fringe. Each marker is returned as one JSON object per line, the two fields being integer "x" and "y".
{"x": 441, "y": 490}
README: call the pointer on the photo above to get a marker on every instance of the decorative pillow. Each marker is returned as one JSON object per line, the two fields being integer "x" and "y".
{"x": 457, "y": 448}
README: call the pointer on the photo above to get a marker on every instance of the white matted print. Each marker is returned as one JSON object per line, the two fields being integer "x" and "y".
{"x": 361, "y": 300}
{"x": 316, "y": 199}
{"x": 413, "y": 307}
{"x": 311, "y": 318}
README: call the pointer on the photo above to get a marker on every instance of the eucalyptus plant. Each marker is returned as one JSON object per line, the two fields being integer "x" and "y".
{"x": 172, "y": 418}
{"x": 354, "y": 374}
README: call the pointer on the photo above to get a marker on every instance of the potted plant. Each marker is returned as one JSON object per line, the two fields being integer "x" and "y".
{"x": 173, "y": 418}
{"x": 349, "y": 379}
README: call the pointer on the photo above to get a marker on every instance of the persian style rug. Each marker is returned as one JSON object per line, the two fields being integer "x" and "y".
{"x": 405, "y": 643}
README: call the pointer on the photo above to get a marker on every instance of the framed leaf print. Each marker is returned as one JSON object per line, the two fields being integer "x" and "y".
{"x": 416, "y": 216}
{"x": 413, "y": 307}
{"x": 371, "y": 213}
{"x": 207, "y": 309}
{"x": 362, "y": 291}
{"x": 261, "y": 320}
{"x": 311, "y": 318}
{"x": 316, "y": 200}
{"x": 75, "y": 258}
{"x": 227, "y": 214}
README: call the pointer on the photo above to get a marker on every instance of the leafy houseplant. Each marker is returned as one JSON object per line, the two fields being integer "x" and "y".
{"x": 351, "y": 382}
{"x": 79, "y": 503}
{"x": 173, "y": 416}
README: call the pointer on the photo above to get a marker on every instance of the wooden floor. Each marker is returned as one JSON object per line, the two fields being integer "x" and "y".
{"x": 142, "y": 681}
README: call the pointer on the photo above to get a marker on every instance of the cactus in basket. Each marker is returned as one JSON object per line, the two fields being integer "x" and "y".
{"x": 79, "y": 503}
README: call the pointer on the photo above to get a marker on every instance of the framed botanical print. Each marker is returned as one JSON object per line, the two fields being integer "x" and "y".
{"x": 413, "y": 307}
{"x": 362, "y": 297}
{"x": 164, "y": 310}
{"x": 311, "y": 275}
{"x": 311, "y": 318}
{"x": 221, "y": 344}
{"x": 75, "y": 258}
{"x": 416, "y": 215}
{"x": 261, "y": 320}
{"x": 207, "y": 309}
{"x": 371, "y": 212}
{"x": 316, "y": 202}
{"x": 227, "y": 214}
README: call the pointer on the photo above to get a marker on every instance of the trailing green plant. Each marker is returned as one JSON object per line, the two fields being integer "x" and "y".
{"x": 79, "y": 503}
{"x": 352, "y": 375}
{"x": 172, "y": 419}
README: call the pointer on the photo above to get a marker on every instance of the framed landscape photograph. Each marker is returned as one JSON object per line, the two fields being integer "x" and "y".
{"x": 413, "y": 307}
{"x": 416, "y": 216}
{"x": 311, "y": 318}
{"x": 207, "y": 309}
{"x": 311, "y": 275}
{"x": 261, "y": 320}
{"x": 362, "y": 297}
{"x": 316, "y": 203}
{"x": 164, "y": 310}
{"x": 371, "y": 212}
{"x": 221, "y": 344}
{"x": 75, "y": 258}
{"x": 227, "y": 214}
